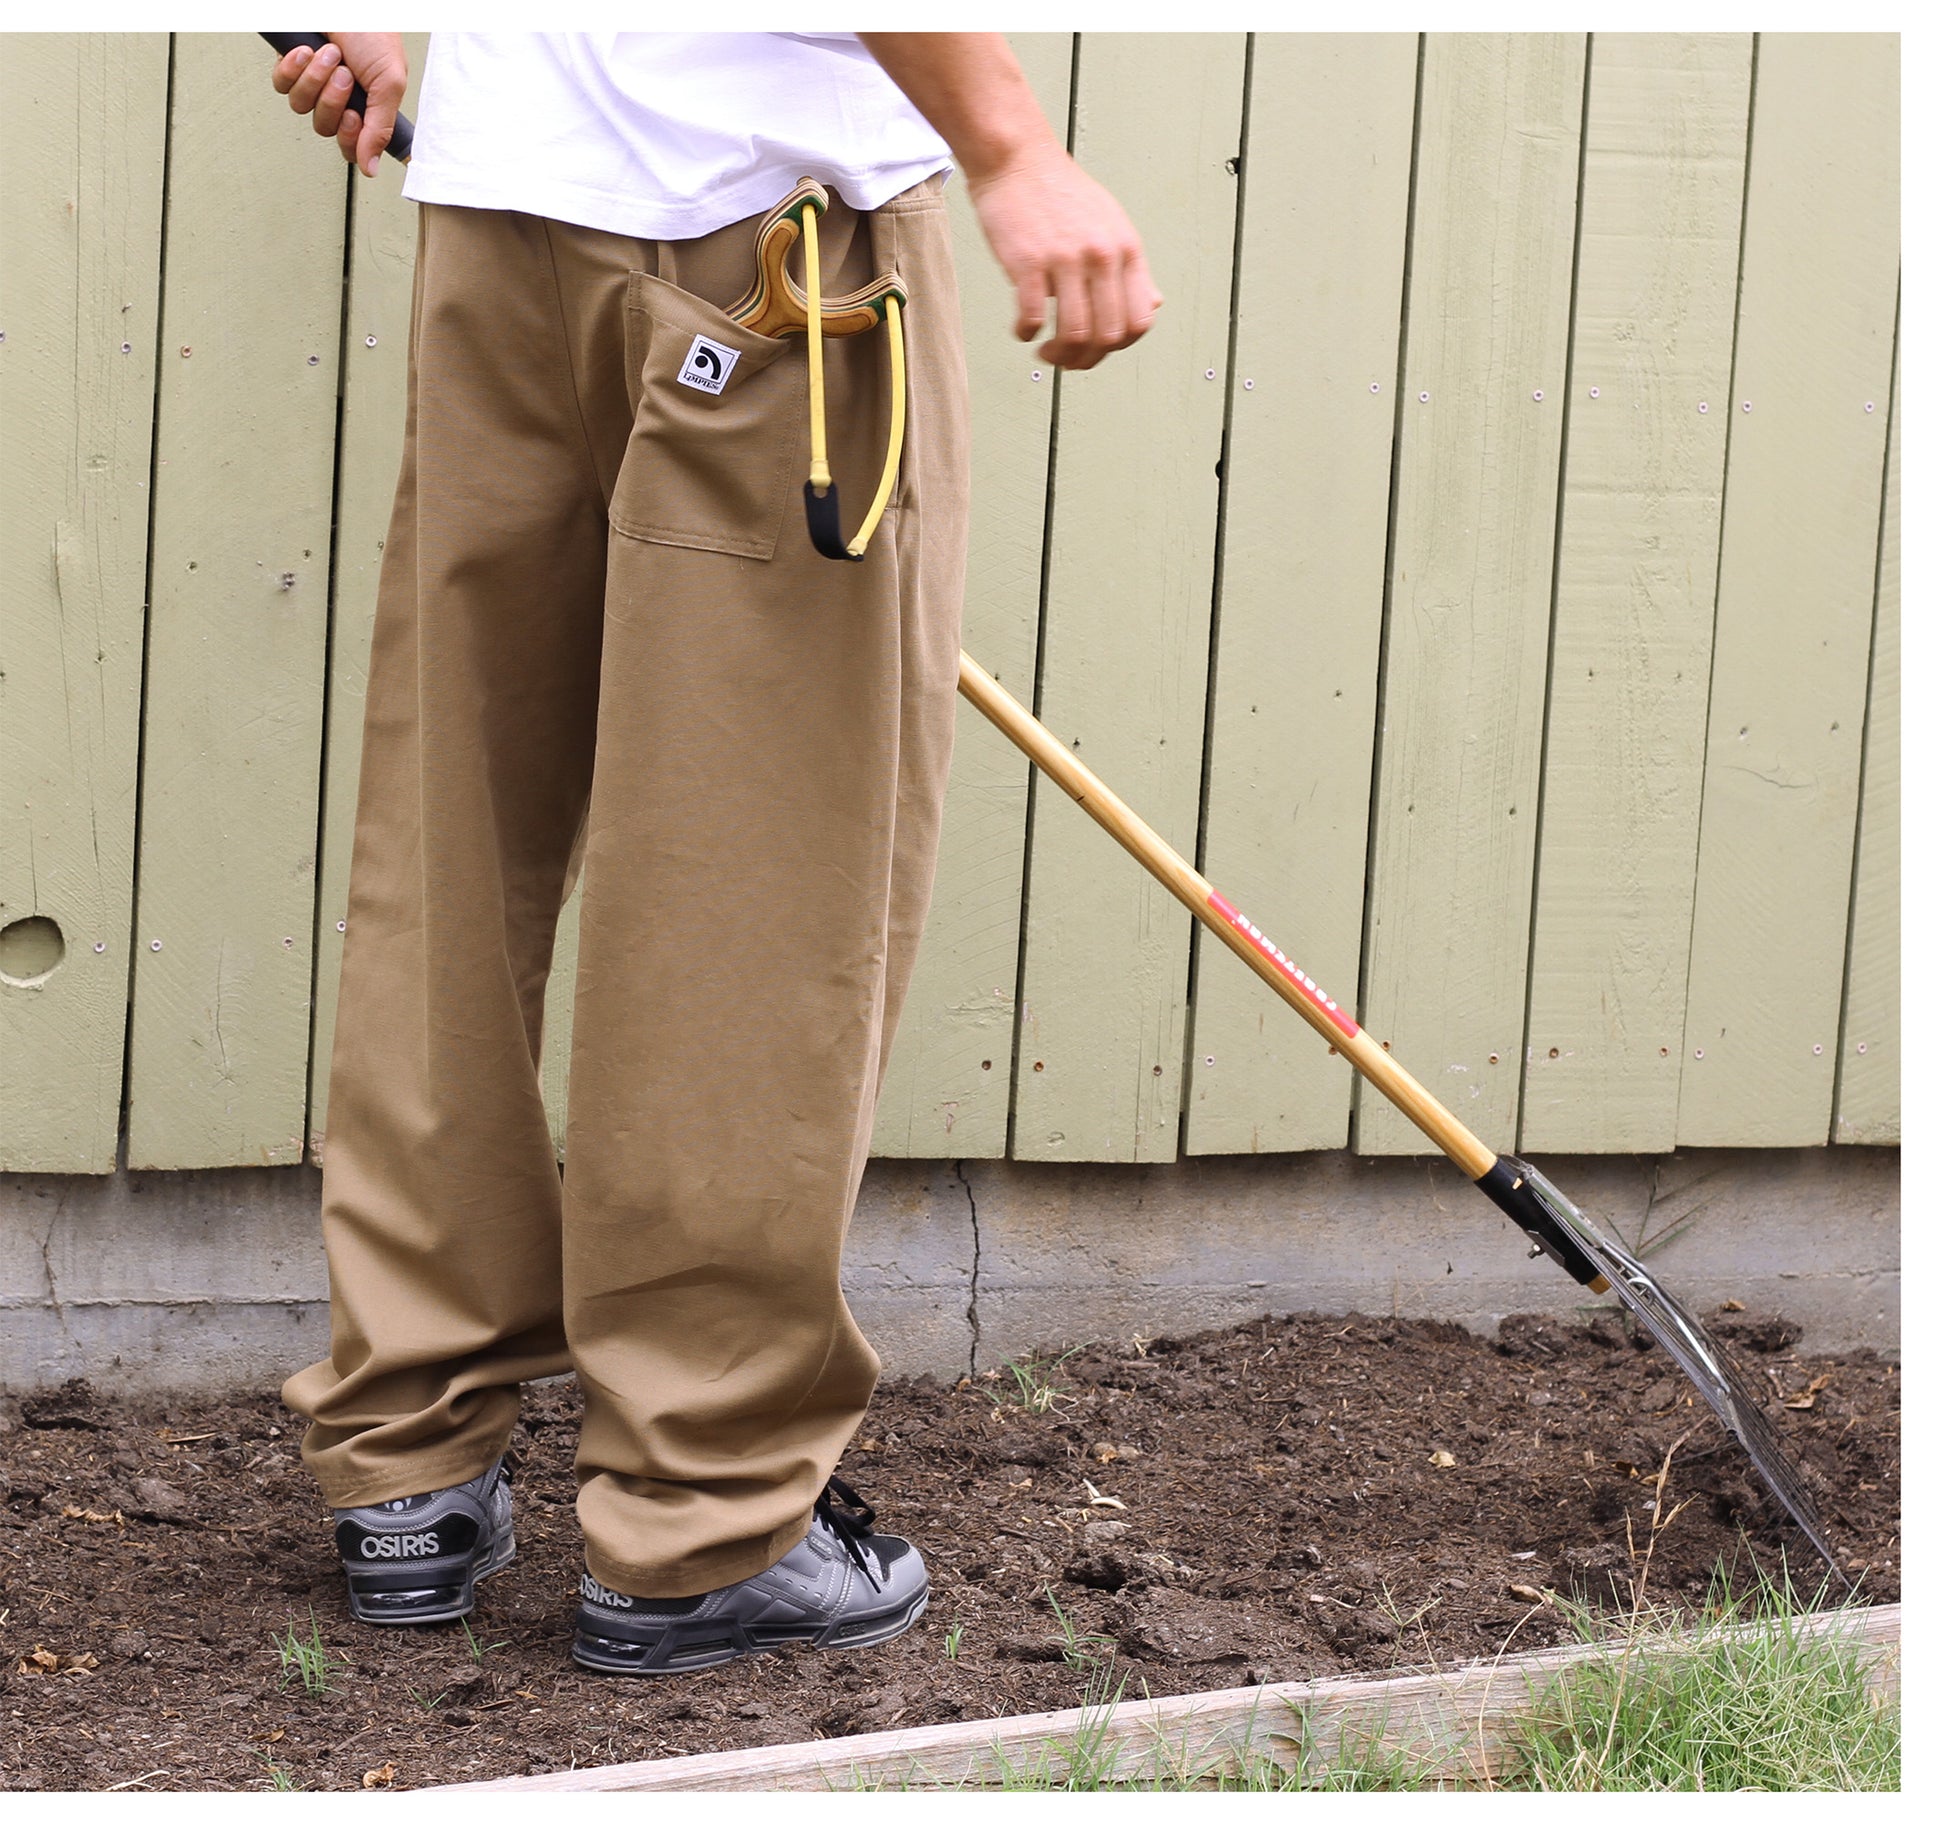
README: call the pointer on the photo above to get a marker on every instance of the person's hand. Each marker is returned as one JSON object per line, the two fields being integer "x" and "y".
{"x": 1057, "y": 233}
{"x": 319, "y": 84}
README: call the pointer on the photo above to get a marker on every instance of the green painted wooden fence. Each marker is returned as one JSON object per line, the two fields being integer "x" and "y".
{"x": 1488, "y": 567}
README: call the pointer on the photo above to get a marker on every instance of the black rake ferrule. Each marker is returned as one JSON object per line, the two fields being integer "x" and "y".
{"x": 821, "y": 519}
{"x": 1511, "y": 1184}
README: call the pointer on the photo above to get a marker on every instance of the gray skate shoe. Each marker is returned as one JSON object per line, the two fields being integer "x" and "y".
{"x": 417, "y": 1559}
{"x": 844, "y": 1586}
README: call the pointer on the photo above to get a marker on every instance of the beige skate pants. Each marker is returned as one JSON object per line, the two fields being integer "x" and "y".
{"x": 602, "y": 632}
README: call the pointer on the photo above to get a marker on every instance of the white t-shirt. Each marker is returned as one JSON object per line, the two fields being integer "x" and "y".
{"x": 660, "y": 135}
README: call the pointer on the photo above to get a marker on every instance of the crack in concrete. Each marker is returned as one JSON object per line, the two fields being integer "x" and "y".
{"x": 973, "y": 1290}
{"x": 47, "y": 1268}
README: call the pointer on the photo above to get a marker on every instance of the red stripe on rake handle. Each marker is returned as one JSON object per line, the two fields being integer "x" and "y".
{"x": 1285, "y": 967}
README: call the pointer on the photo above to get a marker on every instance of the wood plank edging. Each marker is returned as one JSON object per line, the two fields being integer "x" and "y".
{"x": 1447, "y": 1722}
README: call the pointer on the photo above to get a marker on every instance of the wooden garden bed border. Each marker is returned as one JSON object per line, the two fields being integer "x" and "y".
{"x": 1449, "y": 1724}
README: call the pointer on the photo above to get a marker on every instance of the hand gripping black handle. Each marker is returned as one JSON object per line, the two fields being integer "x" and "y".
{"x": 285, "y": 42}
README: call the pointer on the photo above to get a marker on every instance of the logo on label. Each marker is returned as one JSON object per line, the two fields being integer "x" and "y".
{"x": 591, "y": 1591}
{"x": 455, "y": 1534}
{"x": 708, "y": 365}
{"x": 408, "y": 1545}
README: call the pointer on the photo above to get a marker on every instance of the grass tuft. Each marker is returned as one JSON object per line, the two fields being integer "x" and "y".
{"x": 1086, "y": 1761}
{"x": 1741, "y": 1698}
{"x": 476, "y": 1646}
{"x": 1085, "y": 1654}
{"x": 1745, "y": 1702}
{"x": 309, "y": 1661}
{"x": 1029, "y": 1383}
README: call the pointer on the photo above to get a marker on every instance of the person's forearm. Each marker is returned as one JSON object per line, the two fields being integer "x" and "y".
{"x": 969, "y": 85}
{"x": 1055, "y": 231}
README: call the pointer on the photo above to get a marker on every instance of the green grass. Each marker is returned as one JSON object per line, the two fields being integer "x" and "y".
{"x": 1741, "y": 1700}
{"x": 1029, "y": 1383}
{"x": 308, "y": 1661}
{"x": 478, "y": 1647}
{"x": 1745, "y": 1702}
{"x": 1085, "y": 1654}
{"x": 1088, "y": 1761}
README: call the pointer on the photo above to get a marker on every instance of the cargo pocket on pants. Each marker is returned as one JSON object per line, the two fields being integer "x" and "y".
{"x": 720, "y": 426}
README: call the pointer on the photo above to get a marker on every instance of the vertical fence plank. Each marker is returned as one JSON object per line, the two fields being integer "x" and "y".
{"x": 947, "y": 1082}
{"x": 81, "y": 149}
{"x": 1308, "y": 472}
{"x": 371, "y": 436}
{"x": 1754, "y": 933}
{"x": 1794, "y": 603}
{"x": 246, "y": 422}
{"x": 1641, "y": 503}
{"x": 1461, "y": 700}
{"x": 1125, "y": 654}
{"x": 1868, "y": 1051}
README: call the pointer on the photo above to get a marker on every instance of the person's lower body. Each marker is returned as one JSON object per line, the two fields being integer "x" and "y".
{"x": 603, "y": 637}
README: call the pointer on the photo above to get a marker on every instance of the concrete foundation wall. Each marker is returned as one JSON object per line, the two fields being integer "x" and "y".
{"x": 187, "y": 1280}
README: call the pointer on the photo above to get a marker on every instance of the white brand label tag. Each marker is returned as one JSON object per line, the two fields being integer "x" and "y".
{"x": 708, "y": 365}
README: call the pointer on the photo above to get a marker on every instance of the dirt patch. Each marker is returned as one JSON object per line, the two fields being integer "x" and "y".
{"x": 1291, "y": 1498}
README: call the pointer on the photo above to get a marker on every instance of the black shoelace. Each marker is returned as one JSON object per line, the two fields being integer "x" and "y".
{"x": 852, "y": 1522}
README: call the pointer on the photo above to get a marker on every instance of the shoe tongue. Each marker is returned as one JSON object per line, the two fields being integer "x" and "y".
{"x": 831, "y": 1542}
{"x": 405, "y": 1504}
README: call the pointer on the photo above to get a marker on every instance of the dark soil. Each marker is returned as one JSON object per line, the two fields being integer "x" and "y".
{"x": 1269, "y": 1502}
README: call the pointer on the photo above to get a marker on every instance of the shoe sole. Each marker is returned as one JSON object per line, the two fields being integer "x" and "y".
{"x": 695, "y": 1646}
{"x": 500, "y": 1554}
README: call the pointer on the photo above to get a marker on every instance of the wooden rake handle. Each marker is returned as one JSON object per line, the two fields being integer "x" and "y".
{"x": 775, "y": 304}
{"x": 1330, "y": 1021}
{"x": 1511, "y": 1183}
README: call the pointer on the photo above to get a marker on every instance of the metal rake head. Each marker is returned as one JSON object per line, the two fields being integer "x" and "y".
{"x": 1700, "y": 1356}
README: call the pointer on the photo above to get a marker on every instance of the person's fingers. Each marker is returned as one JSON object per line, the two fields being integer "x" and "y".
{"x": 331, "y": 104}
{"x": 380, "y": 119}
{"x": 1030, "y": 303}
{"x": 311, "y": 78}
{"x": 1108, "y": 306}
{"x": 321, "y": 82}
{"x": 1143, "y": 300}
{"x": 1072, "y": 344}
{"x": 286, "y": 70}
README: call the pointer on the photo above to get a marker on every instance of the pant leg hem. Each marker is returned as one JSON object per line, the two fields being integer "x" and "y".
{"x": 419, "y": 1475}
{"x": 703, "y": 1571}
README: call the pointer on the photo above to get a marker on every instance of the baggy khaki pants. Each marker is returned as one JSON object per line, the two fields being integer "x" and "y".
{"x": 603, "y": 631}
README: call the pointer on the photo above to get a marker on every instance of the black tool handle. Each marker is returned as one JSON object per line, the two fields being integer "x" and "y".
{"x": 285, "y": 42}
{"x": 821, "y": 520}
